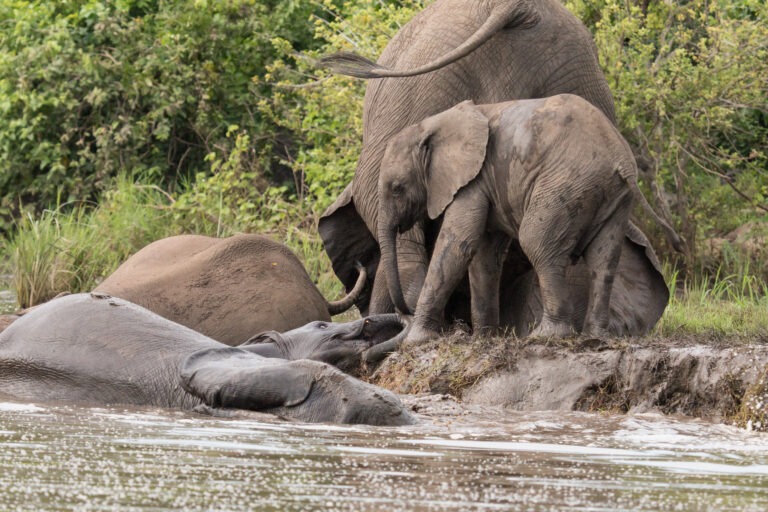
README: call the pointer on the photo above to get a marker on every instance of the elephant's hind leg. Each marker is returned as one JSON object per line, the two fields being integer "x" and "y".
{"x": 485, "y": 279}
{"x": 602, "y": 257}
{"x": 546, "y": 242}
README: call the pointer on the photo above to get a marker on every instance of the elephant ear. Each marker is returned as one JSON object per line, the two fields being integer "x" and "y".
{"x": 235, "y": 378}
{"x": 266, "y": 344}
{"x": 346, "y": 240}
{"x": 640, "y": 293}
{"x": 455, "y": 141}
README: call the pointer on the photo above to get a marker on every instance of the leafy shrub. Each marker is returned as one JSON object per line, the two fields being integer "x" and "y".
{"x": 689, "y": 80}
{"x": 94, "y": 88}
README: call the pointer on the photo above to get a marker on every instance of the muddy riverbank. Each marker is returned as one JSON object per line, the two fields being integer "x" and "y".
{"x": 723, "y": 380}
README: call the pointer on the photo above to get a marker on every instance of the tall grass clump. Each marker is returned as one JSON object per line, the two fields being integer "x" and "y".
{"x": 733, "y": 304}
{"x": 72, "y": 247}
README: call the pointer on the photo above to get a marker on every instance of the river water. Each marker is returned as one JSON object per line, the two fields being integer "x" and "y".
{"x": 77, "y": 457}
{"x": 73, "y": 457}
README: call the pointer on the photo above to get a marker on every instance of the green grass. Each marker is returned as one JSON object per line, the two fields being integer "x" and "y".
{"x": 735, "y": 304}
{"x": 72, "y": 247}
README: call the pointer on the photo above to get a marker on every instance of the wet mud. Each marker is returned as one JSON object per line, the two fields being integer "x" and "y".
{"x": 715, "y": 379}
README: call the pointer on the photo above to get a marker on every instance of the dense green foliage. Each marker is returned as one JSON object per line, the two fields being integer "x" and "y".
{"x": 89, "y": 89}
{"x": 689, "y": 79}
{"x": 218, "y": 104}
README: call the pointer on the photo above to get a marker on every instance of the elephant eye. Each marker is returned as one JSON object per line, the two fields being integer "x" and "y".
{"x": 322, "y": 326}
{"x": 397, "y": 188}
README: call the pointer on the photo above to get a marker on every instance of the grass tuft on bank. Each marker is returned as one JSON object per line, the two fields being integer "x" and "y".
{"x": 70, "y": 248}
{"x": 724, "y": 305}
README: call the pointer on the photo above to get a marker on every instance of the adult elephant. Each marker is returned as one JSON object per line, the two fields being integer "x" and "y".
{"x": 226, "y": 288}
{"x": 99, "y": 349}
{"x": 484, "y": 50}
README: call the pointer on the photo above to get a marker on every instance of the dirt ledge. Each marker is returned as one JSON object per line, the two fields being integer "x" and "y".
{"x": 721, "y": 379}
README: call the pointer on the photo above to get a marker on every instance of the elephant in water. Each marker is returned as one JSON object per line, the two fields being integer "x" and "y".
{"x": 99, "y": 349}
{"x": 553, "y": 173}
{"x": 484, "y": 50}
{"x": 226, "y": 288}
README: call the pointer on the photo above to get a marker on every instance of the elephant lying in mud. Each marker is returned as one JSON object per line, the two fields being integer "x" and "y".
{"x": 226, "y": 288}
{"x": 554, "y": 174}
{"x": 99, "y": 349}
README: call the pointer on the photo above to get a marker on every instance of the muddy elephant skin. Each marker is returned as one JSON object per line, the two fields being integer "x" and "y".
{"x": 226, "y": 288}
{"x": 554, "y": 174}
{"x": 98, "y": 349}
{"x": 484, "y": 50}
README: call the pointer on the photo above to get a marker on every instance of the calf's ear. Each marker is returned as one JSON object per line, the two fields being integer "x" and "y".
{"x": 455, "y": 141}
{"x": 235, "y": 378}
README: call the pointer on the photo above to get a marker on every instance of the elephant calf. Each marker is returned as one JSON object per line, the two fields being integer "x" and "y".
{"x": 99, "y": 349}
{"x": 552, "y": 173}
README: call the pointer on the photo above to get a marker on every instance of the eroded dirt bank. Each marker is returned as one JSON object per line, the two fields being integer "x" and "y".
{"x": 721, "y": 380}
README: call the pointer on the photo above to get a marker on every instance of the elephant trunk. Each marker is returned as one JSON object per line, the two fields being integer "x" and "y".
{"x": 339, "y": 306}
{"x": 388, "y": 246}
{"x": 379, "y": 351}
{"x": 519, "y": 14}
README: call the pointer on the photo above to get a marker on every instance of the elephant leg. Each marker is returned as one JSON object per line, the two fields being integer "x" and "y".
{"x": 463, "y": 227}
{"x": 485, "y": 280}
{"x": 380, "y": 302}
{"x": 545, "y": 240}
{"x": 602, "y": 257}
{"x": 412, "y": 261}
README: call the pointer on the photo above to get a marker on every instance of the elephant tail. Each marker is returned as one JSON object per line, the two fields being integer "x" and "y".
{"x": 520, "y": 14}
{"x": 341, "y": 305}
{"x": 629, "y": 174}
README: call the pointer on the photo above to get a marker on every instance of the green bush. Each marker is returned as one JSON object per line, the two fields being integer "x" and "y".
{"x": 689, "y": 80}
{"x": 89, "y": 89}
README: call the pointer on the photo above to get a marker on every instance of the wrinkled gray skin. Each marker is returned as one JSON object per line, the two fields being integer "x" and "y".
{"x": 484, "y": 50}
{"x": 226, "y": 288}
{"x": 99, "y": 349}
{"x": 554, "y": 174}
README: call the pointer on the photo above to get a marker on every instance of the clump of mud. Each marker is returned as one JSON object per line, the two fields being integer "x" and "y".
{"x": 704, "y": 376}
{"x": 447, "y": 365}
{"x": 752, "y": 413}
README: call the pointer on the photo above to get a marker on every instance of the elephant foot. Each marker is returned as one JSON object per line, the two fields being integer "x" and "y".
{"x": 419, "y": 335}
{"x": 597, "y": 332}
{"x": 548, "y": 329}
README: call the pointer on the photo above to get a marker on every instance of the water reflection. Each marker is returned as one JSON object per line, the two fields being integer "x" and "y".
{"x": 88, "y": 458}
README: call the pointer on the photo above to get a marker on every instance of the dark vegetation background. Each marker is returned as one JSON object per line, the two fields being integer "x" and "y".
{"x": 126, "y": 121}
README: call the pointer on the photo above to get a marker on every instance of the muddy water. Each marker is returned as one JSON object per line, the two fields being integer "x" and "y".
{"x": 65, "y": 457}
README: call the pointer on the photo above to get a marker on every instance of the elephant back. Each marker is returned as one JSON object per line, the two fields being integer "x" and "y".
{"x": 226, "y": 288}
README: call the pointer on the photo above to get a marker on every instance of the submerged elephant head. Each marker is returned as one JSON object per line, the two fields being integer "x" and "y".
{"x": 339, "y": 344}
{"x": 423, "y": 167}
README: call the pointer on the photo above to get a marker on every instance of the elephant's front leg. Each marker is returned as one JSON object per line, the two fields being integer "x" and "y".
{"x": 459, "y": 238}
{"x": 485, "y": 279}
